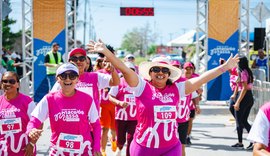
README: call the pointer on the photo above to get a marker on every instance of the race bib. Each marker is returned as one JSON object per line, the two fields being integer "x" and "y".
{"x": 164, "y": 113}
{"x": 70, "y": 143}
{"x": 13, "y": 125}
{"x": 129, "y": 98}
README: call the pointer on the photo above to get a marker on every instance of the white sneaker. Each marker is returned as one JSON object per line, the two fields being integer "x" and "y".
{"x": 118, "y": 152}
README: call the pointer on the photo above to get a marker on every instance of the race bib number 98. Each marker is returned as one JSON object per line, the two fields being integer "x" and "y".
{"x": 70, "y": 143}
{"x": 164, "y": 113}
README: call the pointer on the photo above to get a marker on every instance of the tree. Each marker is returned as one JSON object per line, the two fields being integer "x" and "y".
{"x": 139, "y": 39}
{"x": 8, "y": 37}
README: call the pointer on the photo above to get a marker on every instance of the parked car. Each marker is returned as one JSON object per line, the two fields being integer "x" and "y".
{"x": 120, "y": 54}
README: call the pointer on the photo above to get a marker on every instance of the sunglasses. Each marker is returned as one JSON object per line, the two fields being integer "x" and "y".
{"x": 130, "y": 58}
{"x": 75, "y": 59}
{"x": 164, "y": 70}
{"x": 11, "y": 81}
{"x": 70, "y": 75}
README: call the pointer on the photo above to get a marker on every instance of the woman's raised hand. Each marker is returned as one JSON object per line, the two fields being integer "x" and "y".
{"x": 98, "y": 46}
{"x": 232, "y": 61}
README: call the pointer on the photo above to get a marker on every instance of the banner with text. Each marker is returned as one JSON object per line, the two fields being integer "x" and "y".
{"x": 223, "y": 35}
{"x": 48, "y": 27}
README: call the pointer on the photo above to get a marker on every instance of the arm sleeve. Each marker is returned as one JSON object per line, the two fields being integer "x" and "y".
{"x": 30, "y": 109}
{"x": 194, "y": 95}
{"x": 95, "y": 123}
{"x": 113, "y": 91}
{"x": 97, "y": 135}
{"x": 103, "y": 80}
{"x": 41, "y": 111}
{"x": 260, "y": 129}
{"x": 33, "y": 123}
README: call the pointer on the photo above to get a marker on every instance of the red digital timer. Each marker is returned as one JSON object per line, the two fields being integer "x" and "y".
{"x": 136, "y": 11}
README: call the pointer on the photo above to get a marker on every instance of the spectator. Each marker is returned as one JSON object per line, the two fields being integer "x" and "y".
{"x": 11, "y": 64}
{"x": 243, "y": 101}
{"x": 52, "y": 60}
{"x": 261, "y": 61}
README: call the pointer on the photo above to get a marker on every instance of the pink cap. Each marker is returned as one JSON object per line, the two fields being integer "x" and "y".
{"x": 76, "y": 51}
{"x": 188, "y": 64}
{"x": 175, "y": 63}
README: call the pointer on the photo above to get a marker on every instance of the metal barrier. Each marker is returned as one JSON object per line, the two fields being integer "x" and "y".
{"x": 261, "y": 94}
{"x": 259, "y": 74}
{"x": 26, "y": 85}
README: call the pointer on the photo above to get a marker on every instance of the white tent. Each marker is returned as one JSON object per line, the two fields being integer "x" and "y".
{"x": 183, "y": 40}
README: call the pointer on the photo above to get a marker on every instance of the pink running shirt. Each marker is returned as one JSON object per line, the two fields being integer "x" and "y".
{"x": 14, "y": 117}
{"x": 122, "y": 93}
{"x": 74, "y": 117}
{"x": 157, "y": 113}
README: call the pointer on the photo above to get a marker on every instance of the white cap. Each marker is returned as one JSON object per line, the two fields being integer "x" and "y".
{"x": 129, "y": 55}
{"x": 67, "y": 67}
{"x": 13, "y": 56}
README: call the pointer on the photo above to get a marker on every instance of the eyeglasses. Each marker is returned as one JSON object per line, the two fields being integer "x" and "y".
{"x": 75, "y": 59}
{"x": 70, "y": 75}
{"x": 130, "y": 58}
{"x": 164, "y": 70}
{"x": 11, "y": 81}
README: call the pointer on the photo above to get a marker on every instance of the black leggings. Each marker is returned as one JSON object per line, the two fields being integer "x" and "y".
{"x": 241, "y": 116}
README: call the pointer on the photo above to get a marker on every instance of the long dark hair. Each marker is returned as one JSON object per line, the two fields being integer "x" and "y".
{"x": 243, "y": 65}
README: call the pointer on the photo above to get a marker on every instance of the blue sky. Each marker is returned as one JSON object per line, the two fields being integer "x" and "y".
{"x": 172, "y": 18}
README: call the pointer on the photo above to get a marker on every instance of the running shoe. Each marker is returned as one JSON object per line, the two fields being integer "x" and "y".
{"x": 188, "y": 141}
{"x": 250, "y": 146}
{"x": 114, "y": 145}
{"x": 237, "y": 145}
{"x": 103, "y": 154}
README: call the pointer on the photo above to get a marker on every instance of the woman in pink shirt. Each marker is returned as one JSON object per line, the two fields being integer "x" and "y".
{"x": 15, "y": 110}
{"x": 125, "y": 113}
{"x": 67, "y": 109}
{"x": 243, "y": 100}
{"x": 158, "y": 96}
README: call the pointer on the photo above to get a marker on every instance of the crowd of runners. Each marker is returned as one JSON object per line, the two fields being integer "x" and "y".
{"x": 149, "y": 107}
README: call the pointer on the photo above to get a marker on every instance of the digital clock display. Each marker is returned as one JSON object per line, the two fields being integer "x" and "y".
{"x": 136, "y": 11}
